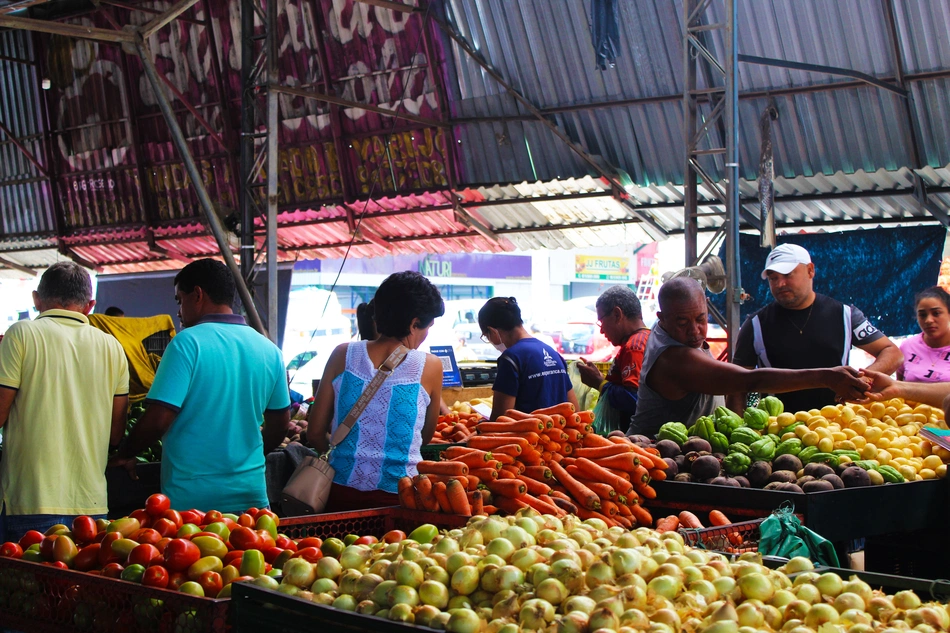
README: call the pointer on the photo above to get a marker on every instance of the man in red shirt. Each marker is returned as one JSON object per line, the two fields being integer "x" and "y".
{"x": 621, "y": 320}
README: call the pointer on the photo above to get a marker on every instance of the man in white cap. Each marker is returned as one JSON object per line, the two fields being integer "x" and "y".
{"x": 805, "y": 330}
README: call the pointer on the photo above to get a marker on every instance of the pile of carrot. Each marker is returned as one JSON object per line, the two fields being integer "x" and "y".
{"x": 549, "y": 460}
{"x": 690, "y": 521}
{"x": 446, "y": 486}
{"x": 455, "y": 428}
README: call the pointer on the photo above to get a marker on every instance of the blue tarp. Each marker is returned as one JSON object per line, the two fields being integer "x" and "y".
{"x": 878, "y": 270}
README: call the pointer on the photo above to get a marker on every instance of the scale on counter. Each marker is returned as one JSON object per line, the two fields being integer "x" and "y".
{"x": 474, "y": 374}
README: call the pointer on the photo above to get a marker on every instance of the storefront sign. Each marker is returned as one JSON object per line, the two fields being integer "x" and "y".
{"x": 600, "y": 268}
{"x": 447, "y": 266}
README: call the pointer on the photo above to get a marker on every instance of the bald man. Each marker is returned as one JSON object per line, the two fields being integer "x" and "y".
{"x": 680, "y": 380}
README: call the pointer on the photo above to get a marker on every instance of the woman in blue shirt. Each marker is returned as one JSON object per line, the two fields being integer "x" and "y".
{"x": 531, "y": 374}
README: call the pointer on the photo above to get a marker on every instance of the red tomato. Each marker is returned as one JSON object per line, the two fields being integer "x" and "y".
{"x": 211, "y": 582}
{"x": 217, "y": 536}
{"x": 106, "y": 555}
{"x": 157, "y": 505}
{"x": 30, "y": 538}
{"x": 271, "y": 554}
{"x": 101, "y": 534}
{"x": 253, "y": 512}
{"x": 175, "y": 517}
{"x": 246, "y": 520}
{"x": 11, "y": 550}
{"x": 165, "y": 527}
{"x": 58, "y": 564}
{"x": 175, "y": 579}
{"x": 366, "y": 540}
{"x": 162, "y": 544}
{"x": 143, "y": 518}
{"x": 112, "y": 570}
{"x": 212, "y": 516}
{"x": 180, "y": 554}
{"x": 155, "y": 576}
{"x": 310, "y": 541}
{"x": 88, "y": 558}
{"x": 102, "y": 524}
{"x": 144, "y": 554}
{"x": 244, "y": 538}
{"x": 309, "y": 554}
{"x": 84, "y": 529}
{"x": 192, "y": 516}
{"x": 233, "y": 558}
{"x": 269, "y": 513}
{"x": 394, "y": 536}
{"x": 147, "y": 535}
{"x": 229, "y": 522}
{"x": 285, "y": 542}
{"x": 46, "y": 546}
{"x": 266, "y": 539}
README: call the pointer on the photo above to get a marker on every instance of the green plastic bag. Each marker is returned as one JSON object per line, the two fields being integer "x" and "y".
{"x": 782, "y": 534}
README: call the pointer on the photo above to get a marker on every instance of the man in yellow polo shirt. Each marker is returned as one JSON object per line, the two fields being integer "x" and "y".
{"x": 63, "y": 400}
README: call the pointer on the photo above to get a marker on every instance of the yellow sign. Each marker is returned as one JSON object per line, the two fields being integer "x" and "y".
{"x": 601, "y": 268}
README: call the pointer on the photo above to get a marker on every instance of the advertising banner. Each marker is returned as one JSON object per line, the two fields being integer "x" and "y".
{"x": 600, "y": 268}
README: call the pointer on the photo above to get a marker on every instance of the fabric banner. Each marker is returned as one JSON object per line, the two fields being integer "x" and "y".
{"x": 877, "y": 270}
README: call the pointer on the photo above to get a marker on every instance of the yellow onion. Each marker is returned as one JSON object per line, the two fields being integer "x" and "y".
{"x": 755, "y": 585}
{"x": 722, "y": 626}
{"x": 808, "y": 593}
{"x": 861, "y": 628}
{"x": 855, "y": 616}
{"x": 847, "y": 600}
{"x": 724, "y": 612}
{"x": 586, "y": 557}
{"x": 323, "y": 598}
{"x": 665, "y": 586}
{"x": 437, "y": 574}
{"x": 603, "y": 618}
{"x": 773, "y": 617}
{"x": 627, "y": 540}
{"x": 880, "y": 607}
{"x": 578, "y": 603}
{"x": 806, "y": 578}
{"x": 935, "y": 616}
{"x": 796, "y": 610}
{"x": 635, "y": 618}
{"x": 906, "y": 600}
{"x": 858, "y": 586}
{"x": 552, "y": 590}
{"x": 781, "y": 598}
{"x": 829, "y": 584}
{"x": 572, "y": 622}
{"x": 604, "y": 592}
{"x": 536, "y": 614}
{"x": 798, "y": 564}
{"x": 749, "y": 615}
{"x": 819, "y": 614}
{"x": 402, "y": 613}
{"x": 668, "y": 617}
{"x": 463, "y": 621}
{"x": 705, "y": 589}
{"x": 507, "y": 607}
{"x": 425, "y": 614}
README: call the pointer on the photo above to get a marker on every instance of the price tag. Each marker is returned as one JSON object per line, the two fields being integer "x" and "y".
{"x": 451, "y": 376}
{"x": 482, "y": 409}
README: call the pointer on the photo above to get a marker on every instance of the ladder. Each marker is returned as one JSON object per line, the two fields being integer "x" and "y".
{"x": 648, "y": 287}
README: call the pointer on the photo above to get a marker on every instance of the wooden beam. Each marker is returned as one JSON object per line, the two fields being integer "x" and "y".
{"x": 346, "y": 103}
{"x": 15, "y": 266}
{"x": 68, "y": 30}
{"x": 152, "y": 26}
{"x": 392, "y": 6}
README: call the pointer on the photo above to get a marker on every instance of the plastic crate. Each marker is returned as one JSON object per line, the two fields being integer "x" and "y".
{"x": 433, "y": 452}
{"x": 925, "y": 588}
{"x": 36, "y": 597}
{"x": 734, "y": 538}
{"x": 372, "y": 522}
{"x": 257, "y": 609}
{"x": 912, "y": 555}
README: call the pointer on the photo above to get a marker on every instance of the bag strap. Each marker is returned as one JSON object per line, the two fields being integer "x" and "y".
{"x": 387, "y": 368}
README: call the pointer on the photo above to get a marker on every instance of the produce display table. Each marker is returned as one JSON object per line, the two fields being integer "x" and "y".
{"x": 465, "y": 394}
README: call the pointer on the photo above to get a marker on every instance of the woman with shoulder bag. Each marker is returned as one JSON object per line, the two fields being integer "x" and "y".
{"x": 384, "y": 444}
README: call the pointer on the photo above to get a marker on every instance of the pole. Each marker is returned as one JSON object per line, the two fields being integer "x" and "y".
{"x": 203, "y": 199}
{"x": 733, "y": 281}
{"x": 272, "y": 167}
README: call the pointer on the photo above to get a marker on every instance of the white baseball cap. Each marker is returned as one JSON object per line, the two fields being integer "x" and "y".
{"x": 783, "y": 259}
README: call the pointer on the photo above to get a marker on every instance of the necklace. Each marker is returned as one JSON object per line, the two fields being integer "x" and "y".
{"x": 801, "y": 330}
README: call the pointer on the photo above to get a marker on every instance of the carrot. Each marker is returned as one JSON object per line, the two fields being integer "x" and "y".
{"x": 645, "y": 490}
{"x": 507, "y": 449}
{"x": 473, "y": 482}
{"x": 517, "y": 415}
{"x": 646, "y": 459}
{"x": 546, "y": 419}
{"x": 485, "y": 474}
{"x": 477, "y": 502}
{"x": 493, "y": 464}
{"x": 601, "y": 452}
{"x": 512, "y": 488}
{"x": 557, "y": 457}
{"x": 541, "y": 473}
{"x": 534, "y": 486}
{"x": 690, "y": 520}
{"x": 624, "y": 510}
{"x": 507, "y": 474}
{"x": 587, "y": 417}
{"x": 441, "y": 468}
{"x": 488, "y": 442}
{"x": 620, "y": 473}
{"x": 717, "y": 519}
{"x": 560, "y": 422}
{"x": 458, "y": 501}
{"x": 442, "y": 497}
{"x": 513, "y": 469}
{"x": 565, "y": 504}
{"x": 558, "y": 494}
{"x": 573, "y": 435}
{"x": 578, "y": 491}
{"x": 447, "y": 478}
{"x": 592, "y": 440}
{"x": 556, "y": 435}
{"x": 531, "y": 438}
{"x": 472, "y": 460}
{"x": 503, "y": 458}
{"x": 566, "y": 449}
{"x": 624, "y": 461}
{"x": 554, "y": 447}
{"x": 489, "y": 509}
{"x": 406, "y": 497}
{"x": 657, "y": 474}
{"x": 565, "y": 409}
{"x": 598, "y": 473}
{"x": 454, "y": 452}
{"x": 530, "y": 458}
{"x": 591, "y": 514}
{"x": 511, "y": 426}
{"x": 426, "y": 495}
{"x": 605, "y": 491}
{"x": 640, "y": 475}
{"x": 641, "y": 515}
{"x": 608, "y": 507}
{"x": 547, "y": 456}
{"x": 509, "y": 505}
{"x": 541, "y": 505}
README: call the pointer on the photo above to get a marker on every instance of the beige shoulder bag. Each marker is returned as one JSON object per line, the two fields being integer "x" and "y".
{"x": 308, "y": 489}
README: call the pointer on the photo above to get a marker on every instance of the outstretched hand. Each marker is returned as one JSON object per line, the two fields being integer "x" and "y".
{"x": 848, "y": 385}
{"x": 880, "y": 387}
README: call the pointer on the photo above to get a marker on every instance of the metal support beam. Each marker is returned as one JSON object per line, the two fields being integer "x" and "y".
{"x": 217, "y": 230}
{"x": 23, "y": 150}
{"x": 346, "y": 103}
{"x": 828, "y": 70}
{"x": 152, "y": 27}
{"x": 651, "y": 226}
{"x": 273, "y": 130}
{"x": 68, "y": 30}
{"x": 15, "y": 266}
{"x": 249, "y": 123}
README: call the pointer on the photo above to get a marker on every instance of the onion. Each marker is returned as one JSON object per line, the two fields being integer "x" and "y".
{"x": 463, "y": 621}
{"x": 465, "y": 580}
{"x": 403, "y": 594}
{"x": 529, "y": 525}
{"x": 434, "y": 594}
{"x": 798, "y": 564}
{"x": 819, "y": 614}
{"x": 506, "y": 608}
{"x": 721, "y": 566}
{"x": 569, "y": 573}
{"x": 552, "y": 590}
{"x": 572, "y": 622}
{"x": 600, "y": 573}
{"x": 635, "y": 619}
{"x": 829, "y": 584}
{"x": 471, "y": 538}
{"x": 672, "y": 546}
{"x": 594, "y": 547}
{"x": 724, "y": 585}
{"x": 379, "y": 567}
{"x": 856, "y": 616}
{"x": 501, "y": 547}
{"x": 583, "y": 604}
{"x": 847, "y": 600}
{"x": 437, "y": 574}
{"x": 425, "y": 614}
{"x": 625, "y": 561}
{"x": 668, "y": 617}
{"x": 665, "y": 586}
{"x": 604, "y": 592}
{"x": 806, "y": 578}
{"x": 691, "y": 574}
{"x": 680, "y": 561}
{"x": 407, "y": 572}
{"x": 518, "y": 537}
{"x": 536, "y": 614}
{"x": 615, "y": 604}
{"x": 879, "y": 606}
{"x": 627, "y": 540}
{"x": 586, "y": 557}
{"x": 796, "y": 610}
{"x": 581, "y": 537}
{"x": 344, "y": 603}
{"x": 749, "y": 615}
{"x": 660, "y": 556}
{"x": 724, "y": 612}
{"x": 935, "y": 616}
{"x": 773, "y": 617}
{"x": 722, "y": 626}
{"x": 460, "y": 602}
{"x": 635, "y": 597}
{"x": 925, "y": 628}
{"x": 456, "y": 560}
{"x": 538, "y": 572}
{"x": 861, "y": 628}
{"x": 705, "y": 589}
{"x": 858, "y": 586}
{"x": 757, "y": 586}
{"x": 709, "y": 573}
{"x": 808, "y": 593}
{"x": 323, "y": 598}
{"x": 669, "y": 569}
{"x": 543, "y": 537}
{"x": 328, "y": 567}
{"x": 323, "y": 585}
{"x": 365, "y": 585}
{"x": 481, "y": 598}
{"x": 648, "y": 567}
{"x": 906, "y": 600}
{"x": 288, "y": 589}
{"x": 566, "y": 554}
{"x": 402, "y": 613}
{"x": 631, "y": 580}
{"x": 348, "y": 580}
{"x": 303, "y": 594}
{"x": 781, "y": 598}
{"x": 603, "y": 618}
{"x": 597, "y": 524}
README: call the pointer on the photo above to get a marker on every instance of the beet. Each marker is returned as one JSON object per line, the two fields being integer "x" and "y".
{"x": 818, "y": 470}
{"x": 696, "y": 444}
{"x": 683, "y": 477}
{"x": 787, "y": 462}
{"x": 834, "y": 480}
{"x": 668, "y": 448}
{"x": 855, "y": 477}
{"x": 742, "y": 481}
{"x": 759, "y": 473}
{"x": 804, "y": 479}
{"x": 818, "y": 485}
{"x": 783, "y": 486}
{"x": 642, "y": 440}
{"x": 671, "y": 468}
{"x": 724, "y": 481}
{"x": 682, "y": 466}
{"x": 705, "y": 468}
{"x": 782, "y": 476}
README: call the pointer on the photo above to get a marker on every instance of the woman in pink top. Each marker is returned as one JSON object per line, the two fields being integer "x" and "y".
{"x": 927, "y": 355}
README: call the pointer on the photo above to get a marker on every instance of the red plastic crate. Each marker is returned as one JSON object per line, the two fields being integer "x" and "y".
{"x": 372, "y": 522}
{"x": 734, "y": 538}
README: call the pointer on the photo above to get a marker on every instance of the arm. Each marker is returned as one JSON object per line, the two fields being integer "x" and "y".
{"x": 320, "y": 415}
{"x": 883, "y": 387}
{"x": 7, "y": 396}
{"x": 275, "y": 428}
{"x": 152, "y": 426}
{"x": 432, "y": 383}
{"x": 501, "y": 402}
{"x": 682, "y": 370}
{"x": 120, "y": 410}
{"x": 888, "y": 357}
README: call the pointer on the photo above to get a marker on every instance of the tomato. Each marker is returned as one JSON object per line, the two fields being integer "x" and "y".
{"x": 157, "y": 505}
{"x": 206, "y": 563}
{"x": 282, "y": 558}
{"x": 46, "y": 547}
{"x": 88, "y": 558}
{"x": 176, "y": 579}
{"x": 106, "y": 555}
{"x": 219, "y": 528}
{"x": 244, "y": 538}
{"x": 192, "y": 588}
{"x": 165, "y": 527}
{"x": 211, "y": 582}
{"x": 31, "y": 537}
{"x": 253, "y": 512}
{"x": 267, "y": 522}
{"x": 187, "y": 530}
{"x": 144, "y": 554}
{"x": 64, "y": 550}
{"x": 252, "y": 563}
{"x": 229, "y": 573}
{"x": 133, "y": 573}
{"x": 175, "y": 517}
{"x": 143, "y": 517}
{"x": 11, "y": 550}
{"x": 285, "y": 542}
{"x": 310, "y": 541}
{"x": 228, "y": 523}
{"x": 84, "y": 529}
{"x": 122, "y": 548}
{"x": 309, "y": 554}
{"x": 155, "y": 576}
{"x": 55, "y": 529}
{"x": 102, "y": 524}
{"x": 266, "y": 539}
{"x": 210, "y": 545}
{"x": 232, "y": 556}
{"x": 124, "y": 526}
{"x": 162, "y": 544}
{"x": 271, "y": 553}
{"x": 269, "y": 513}
{"x": 245, "y": 520}
{"x": 192, "y": 516}
{"x": 180, "y": 554}
{"x": 366, "y": 540}
{"x": 147, "y": 535}
{"x": 394, "y": 536}
{"x": 212, "y": 516}
{"x": 112, "y": 570}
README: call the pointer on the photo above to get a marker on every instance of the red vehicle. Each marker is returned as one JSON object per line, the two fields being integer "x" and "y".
{"x": 584, "y": 338}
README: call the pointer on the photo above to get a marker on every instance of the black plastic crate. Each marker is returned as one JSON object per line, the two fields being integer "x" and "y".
{"x": 433, "y": 452}
{"x": 917, "y": 554}
{"x": 126, "y": 494}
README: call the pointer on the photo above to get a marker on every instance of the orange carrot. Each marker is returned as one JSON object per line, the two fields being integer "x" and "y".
{"x": 517, "y": 415}
{"x": 512, "y": 488}
{"x": 541, "y": 473}
{"x": 426, "y": 496}
{"x": 541, "y": 505}
{"x": 512, "y": 426}
{"x": 530, "y": 458}
{"x": 598, "y": 473}
{"x": 406, "y": 497}
{"x": 473, "y": 482}
{"x": 565, "y": 409}
{"x": 534, "y": 486}
{"x": 657, "y": 474}
{"x": 488, "y": 442}
{"x": 554, "y": 447}
{"x": 624, "y": 510}
{"x": 599, "y": 488}
{"x": 472, "y": 460}
{"x": 625, "y": 461}
{"x": 690, "y": 520}
{"x": 646, "y": 459}
{"x": 559, "y": 494}
{"x": 608, "y": 507}
{"x": 566, "y": 449}
{"x": 507, "y": 449}
{"x": 458, "y": 501}
{"x": 601, "y": 452}
{"x": 591, "y": 514}
{"x": 556, "y": 435}
{"x": 477, "y": 502}
{"x": 503, "y": 458}
{"x": 442, "y": 497}
{"x": 446, "y": 478}
{"x": 507, "y": 474}
{"x": 645, "y": 490}
{"x": 509, "y": 505}
{"x": 641, "y": 515}
{"x": 454, "y": 452}
{"x": 493, "y": 464}
{"x": 592, "y": 440}
{"x": 619, "y": 473}
{"x": 489, "y": 509}
{"x": 581, "y": 493}
{"x": 640, "y": 475}
{"x": 573, "y": 435}
{"x": 717, "y": 518}
{"x": 485, "y": 474}
{"x": 441, "y": 468}
{"x": 546, "y": 419}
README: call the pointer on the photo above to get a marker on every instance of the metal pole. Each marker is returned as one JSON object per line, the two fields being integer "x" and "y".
{"x": 690, "y": 107}
{"x": 272, "y": 167}
{"x": 731, "y": 114}
{"x": 204, "y": 200}
{"x": 247, "y": 139}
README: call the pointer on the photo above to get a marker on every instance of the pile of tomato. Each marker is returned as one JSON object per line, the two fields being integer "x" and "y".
{"x": 200, "y": 553}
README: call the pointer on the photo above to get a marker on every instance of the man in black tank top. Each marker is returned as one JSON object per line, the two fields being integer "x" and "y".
{"x": 806, "y": 330}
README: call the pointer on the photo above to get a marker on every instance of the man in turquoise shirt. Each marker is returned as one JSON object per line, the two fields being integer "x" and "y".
{"x": 217, "y": 380}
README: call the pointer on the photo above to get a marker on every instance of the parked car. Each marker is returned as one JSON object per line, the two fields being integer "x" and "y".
{"x": 582, "y": 338}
